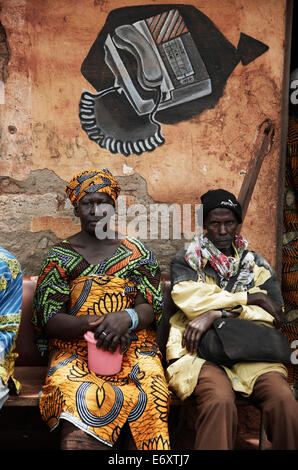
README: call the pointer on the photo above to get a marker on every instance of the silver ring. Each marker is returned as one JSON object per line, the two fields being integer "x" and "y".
{"x": 103, "y": 333}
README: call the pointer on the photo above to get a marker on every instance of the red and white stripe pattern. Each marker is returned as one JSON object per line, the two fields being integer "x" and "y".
{"x": 166, "y": 26}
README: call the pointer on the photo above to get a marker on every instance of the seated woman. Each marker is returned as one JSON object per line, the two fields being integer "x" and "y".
{"x": 112, "y": 287}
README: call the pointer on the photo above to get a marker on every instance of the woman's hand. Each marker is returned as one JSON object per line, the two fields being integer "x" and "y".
{"x": 111, "y": 330}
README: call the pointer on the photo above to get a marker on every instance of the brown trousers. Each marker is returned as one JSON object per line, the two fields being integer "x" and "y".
{"x": 216, "y": 412}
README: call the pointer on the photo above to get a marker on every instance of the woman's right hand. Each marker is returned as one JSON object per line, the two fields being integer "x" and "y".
{"x": 67, "y": 327}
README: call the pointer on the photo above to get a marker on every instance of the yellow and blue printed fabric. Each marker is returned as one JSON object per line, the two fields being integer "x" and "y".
{"x": 11, "y": 293}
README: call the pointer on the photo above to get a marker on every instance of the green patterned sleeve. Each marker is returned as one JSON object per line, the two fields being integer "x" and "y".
{"x": 51, "y": 295}
{"x": 145, "y": 273}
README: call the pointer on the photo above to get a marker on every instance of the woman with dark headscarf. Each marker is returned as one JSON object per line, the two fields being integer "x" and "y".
{"x": 112, "y": 287}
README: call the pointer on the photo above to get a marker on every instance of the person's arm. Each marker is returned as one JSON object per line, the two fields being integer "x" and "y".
{"x": 67, "y": 327}
{"x": 194, "y": 298}
{"x": 267, "y": 293}
{"x": 115, "y": 325}
{"x": 51, "y": 300}
{"x": 266, "y": 303}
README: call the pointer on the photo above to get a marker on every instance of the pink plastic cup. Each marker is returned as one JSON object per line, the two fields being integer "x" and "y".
{"x": 102, "y": 362}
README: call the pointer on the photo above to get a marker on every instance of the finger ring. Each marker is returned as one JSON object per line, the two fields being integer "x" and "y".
{"x": 103, "y": 333}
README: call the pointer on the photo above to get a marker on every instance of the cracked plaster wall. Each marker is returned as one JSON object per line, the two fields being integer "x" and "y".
{"x": 42, "y": 46}
{"x": 35, "y": 213}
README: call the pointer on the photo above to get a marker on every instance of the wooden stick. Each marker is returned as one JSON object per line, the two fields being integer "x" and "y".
{"x": 255, "y": 164}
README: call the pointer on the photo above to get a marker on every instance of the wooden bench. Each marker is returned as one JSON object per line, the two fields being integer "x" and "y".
{"x": 31, "y": 368}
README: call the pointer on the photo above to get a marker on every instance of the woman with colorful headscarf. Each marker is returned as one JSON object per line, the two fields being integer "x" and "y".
{"x": 112, "y": 287}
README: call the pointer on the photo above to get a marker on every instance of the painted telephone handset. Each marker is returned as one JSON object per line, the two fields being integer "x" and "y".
{"x": 139, "y": 76}
{"x": 149, "y": 72}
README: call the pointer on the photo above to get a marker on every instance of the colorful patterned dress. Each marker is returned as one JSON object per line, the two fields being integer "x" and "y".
{"x": 101, "y": 405}
{"x": 11, "y": 293}
{"x": 290, "y": 244}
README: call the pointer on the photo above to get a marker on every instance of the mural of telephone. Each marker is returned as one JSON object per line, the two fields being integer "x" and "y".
{"x": 169, "y": 68}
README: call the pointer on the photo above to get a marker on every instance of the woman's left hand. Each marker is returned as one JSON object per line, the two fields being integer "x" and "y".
{"x": 111, "y": 330}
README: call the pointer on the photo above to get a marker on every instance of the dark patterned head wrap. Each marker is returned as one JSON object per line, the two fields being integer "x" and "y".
{"x": 92, "y": 181}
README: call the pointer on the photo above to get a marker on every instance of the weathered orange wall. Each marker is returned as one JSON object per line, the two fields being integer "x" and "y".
{"x": 48, "y": 41}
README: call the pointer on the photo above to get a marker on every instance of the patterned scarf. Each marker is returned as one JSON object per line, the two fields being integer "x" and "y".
{"x": 202, "y": 250}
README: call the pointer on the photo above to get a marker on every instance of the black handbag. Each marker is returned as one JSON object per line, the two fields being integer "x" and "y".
{"x": 231, "y": 340}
